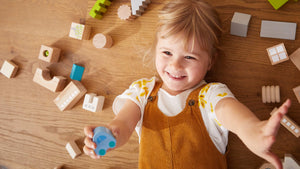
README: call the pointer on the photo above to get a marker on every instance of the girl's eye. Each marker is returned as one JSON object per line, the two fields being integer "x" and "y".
{"x": 167, "y": 53}
{"x": 189, "y": 57}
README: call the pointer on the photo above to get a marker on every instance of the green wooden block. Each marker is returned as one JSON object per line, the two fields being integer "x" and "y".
{"x": 95, "y": 15}
{"x": 277, "y": 3}
{"x": 103, "y": 2}
{"x": 99, "y": 9}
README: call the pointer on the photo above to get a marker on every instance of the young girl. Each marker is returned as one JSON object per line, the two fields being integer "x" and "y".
{"x": 182, "y": 121}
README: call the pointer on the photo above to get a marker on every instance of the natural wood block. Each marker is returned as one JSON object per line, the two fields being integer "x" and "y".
{"x": 124, "y": 13}
{"x": 59, "y": 167}
{"x": 277, "y": 54}
{"x": 102, "y": 41}
{"x": 49, "y": 54}
{"x": 297, "y": 92}
{"x": 43, "y": 78}
{"x": 93, "y": 103}
{"x": 73, "y": 149}
{"x": 79, "y": 31}
{"x": 290, "y": 162}
{"x": 270, "y": 94}
{"x": 70, "y": 95}
{"x": 295, "y": 58}
{"x": 9, "y": 69}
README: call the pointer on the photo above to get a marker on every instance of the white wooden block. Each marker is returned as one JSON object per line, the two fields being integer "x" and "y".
{"x": 73, "y": 149}
{"x": 290, "y": 162}
{"x": 239, "y": 24}
{"x": 49, "y": 54}
{"x": 138, "y": 6}
{"x": 281, "y": 30}
{"x": 93, "y": 103}
{"x": 9, "y": 69}
{"x": 79, "y": 31}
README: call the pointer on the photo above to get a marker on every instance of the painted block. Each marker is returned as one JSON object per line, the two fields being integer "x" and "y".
{"x": 277, "y": 54}
{"x": 270, "y": 94}
{"x": 79, "y": 31}
{"x": 138, "y": 6}
{"x": 280, "y": 30}
{"x": 99, "y": 8}
{"x": 290, "y": 162}
{"x": 73, "y": 149}
{"x": 93, "y": 103}
{"x": 295, "y": 58}
{"x": 43, "y": 78}
{"x": 289, "y": 124}
{"x": 239, "y": 24}
{"x": 49, "y": 54}
{"x": 77, "y": 72}
{"x": 9, "y": 69}
{"x": 277, "y": 3}
{"x": 102, "y": 41}
{"x": 70, "y": 95}
{"x": 124, "y": 13}
{"x": 104, "y": 140}
{"x": 297, "y": 92}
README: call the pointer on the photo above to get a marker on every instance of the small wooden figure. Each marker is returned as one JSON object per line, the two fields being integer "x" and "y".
{"x": 267, "y": 166}
{"x": 104, "y": 140}
{"x": 102, "y": 41}
{"x": 124, "y": 13}
{"x": 43, "y": 78}
{"x": 277, "y": 54}
{"x": 289, "y": 124}
{"x": 70, "y": 95}
{"x": 49, "y": 54}
{"x": 290, "y": 162}
{"x": 79, "y": 31}
{"x": 270, "y": 94}
{"x": 9, "y": 69}
{"x": 93, "y": 103}
{"x": 297, "y": 92}
{"x": 295, "y": 58}
{"x": 277, "y": 3}
{"x": 99, "y": 8}
{"x": 138, "y": 6}
{"x": 73, "y": 149}
{"x": 239, "y": 24}
{"x": 77, "y": 72}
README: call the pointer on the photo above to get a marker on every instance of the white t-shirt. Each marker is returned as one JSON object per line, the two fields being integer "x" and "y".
{"x": 171, "y": 105}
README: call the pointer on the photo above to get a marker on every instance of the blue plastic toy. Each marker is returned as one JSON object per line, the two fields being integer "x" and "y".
{"x": 77, "y": 72}
{"x": 104, "y": 140}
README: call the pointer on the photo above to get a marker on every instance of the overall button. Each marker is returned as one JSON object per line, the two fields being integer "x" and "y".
{"x": 191, "y": 102}
{"x": 150, "y": 98}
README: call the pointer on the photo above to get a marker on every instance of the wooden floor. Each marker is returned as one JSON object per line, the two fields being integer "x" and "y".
{"x": 33, "y": 132}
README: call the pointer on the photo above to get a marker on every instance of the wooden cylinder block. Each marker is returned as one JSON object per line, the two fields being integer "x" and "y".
{"x": 270, "y": 94}
{"x": 124, "y": 13}
{"x": 102, "y": 41}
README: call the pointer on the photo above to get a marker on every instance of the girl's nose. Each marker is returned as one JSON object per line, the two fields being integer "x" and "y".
{"x": 176, "y": 63}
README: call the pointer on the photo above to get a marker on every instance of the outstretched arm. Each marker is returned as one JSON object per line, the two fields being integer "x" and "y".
{"x": 257, "y": 135}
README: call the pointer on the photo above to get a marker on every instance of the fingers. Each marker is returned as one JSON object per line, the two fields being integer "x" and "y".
{"x": 273, "y": 159}
{"x": 89, "y": 143}
{"x": 88, "y": 131}
{"x": 90, "y": 152}
{"x": 284, "y": 107}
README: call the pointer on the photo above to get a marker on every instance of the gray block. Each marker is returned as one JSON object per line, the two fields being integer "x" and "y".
{"x": 239, "y": 24}
{"x": 280, "y": 30}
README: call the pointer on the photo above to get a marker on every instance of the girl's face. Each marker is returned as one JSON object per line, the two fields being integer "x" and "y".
{"x": 179, "y": 68}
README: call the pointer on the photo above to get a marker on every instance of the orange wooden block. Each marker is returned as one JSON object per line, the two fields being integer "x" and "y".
{"x": 277, "y": 54}
{"x": 9, "y": 69}
{"x": 102, "y": 41}
{"x": 49, "y": 54}
{"x": 295, "y": 58}
{"x": 124, "y": 13}
{"x": 43, "y": 78}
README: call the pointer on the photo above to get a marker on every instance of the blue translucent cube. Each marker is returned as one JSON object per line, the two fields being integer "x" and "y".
{"x": 77, "y": 72}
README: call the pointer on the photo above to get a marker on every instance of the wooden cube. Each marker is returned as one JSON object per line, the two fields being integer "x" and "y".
{"x": 277, "y": 54}
{"x": 297, "y": 92}
{"x": 73, "y": 149}
{"x": 295, "y": 58}
{"x": 239, "y": 24}
{"x": 49, "y": 54}
{"x": 79, "y": 31}
{"x": 93, "y": 103}
{"x": 9, "y": 69}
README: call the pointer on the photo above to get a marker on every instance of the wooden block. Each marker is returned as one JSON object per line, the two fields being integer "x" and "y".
{"x": 49, "y": 54}
{"x": 267, "y": 166}
{"x": 295, "y": 58}
{"x": 277, "y": 3}
{"x": 79, "y": 31}
{"x": 277, "y": 54}
{"x": 73, "y": 149}
{"x": 77, "y": 72}
{"x": 239, "y": 24}
{"x": 43, "y": 78}
{"x": 99, "y": 8}
{"x": 138, "y": 6}
{"x": 290, "y": 162}
{"x": 9, "y": 69}
{"x": 275, "y": 29}
{"x": 297, "y": 92}
{"x": 59, "y": 167}
{"x": 102, "y": 41}
{"x": 70, "y": 95}
{"x": 270, "y": 94}
{"x": 289, "y": 124}
{"x": 93, "y": 103}
{"x": 124, "y": 13}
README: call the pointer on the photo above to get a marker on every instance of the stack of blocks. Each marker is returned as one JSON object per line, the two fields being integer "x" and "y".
{"x": 9, "y": 69}
{"x": 79, "y": 31}
{"x": 277, "y": 54}
{"x": 138, "y": 6}
{"x": 93, "y": 103}
{"x": 239, "y": 24}
{"x": 99, "y": 9}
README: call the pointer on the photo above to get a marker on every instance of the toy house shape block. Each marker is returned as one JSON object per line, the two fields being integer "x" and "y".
{"x": 73, "y": 149}
{"x": 77, "y": 72}
{"x": 297, "y": 93}
{"x": 138, "y": 6}
{"x": 295, "y": 58}
{"x": 270, "y": 94}
{"x": 277, "y": 54}
{"x": 99, "y": 9}
{"x": 277, "y": 3}
{"x": 70, "y": 95}
{"x": 9, "y": 69}
{"x": 49, "y": 54}
{"x": 267, "y": 166}
{"x": 102, "y": 41}
{"x": 290, "y": 162}
{"x": 289, "y": 124}
{"x": 79, "y": 31}
{"x": 280, "y": 30}
{"x": 104, "y": 140}
{"x": 124, "y": 13}
{"x": 239, "y": 24}
{"x": 93, "y": 103}
{"x": 43, "y": 78}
